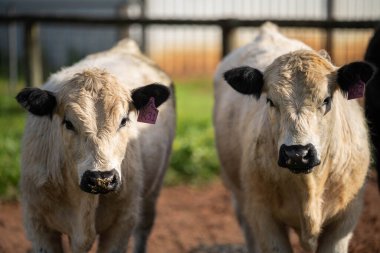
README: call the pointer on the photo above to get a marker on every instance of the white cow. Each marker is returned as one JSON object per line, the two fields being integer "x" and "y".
{"x": 88, "y": 167}
{"x": 293, "y": 149}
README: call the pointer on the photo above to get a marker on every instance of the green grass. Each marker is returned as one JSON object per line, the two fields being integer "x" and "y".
{"x": 12, "y": 119}
{"x": 193, "y": 159}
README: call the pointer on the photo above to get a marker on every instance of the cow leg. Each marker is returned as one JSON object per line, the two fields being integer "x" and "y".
{"x": 271, "y": 236}
{"x": 148, "y": 214}
{"x": 44, "y": 240}
{"x": 336, "y": 236}
{"x": 115, "y": 239}
{"x": 338, "y": 246}
{"x": 83, "y": 224}
{"x": 49, "y": 242}
{"x": 247, "y": 231}
{"x": 81, "y": 243}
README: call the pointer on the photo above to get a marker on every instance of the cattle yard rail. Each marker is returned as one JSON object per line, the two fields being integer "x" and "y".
{"x": 33, "y": 65}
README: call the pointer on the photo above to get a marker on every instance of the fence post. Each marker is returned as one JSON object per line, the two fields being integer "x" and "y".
{"x": 13, "y": 54}
{"x": 33, "y": 58}
{"x": 122, "y": 11}
{"x": 329, "y": 31}
{"x": 143, "y": 8}
{"x": 227, "y": 37}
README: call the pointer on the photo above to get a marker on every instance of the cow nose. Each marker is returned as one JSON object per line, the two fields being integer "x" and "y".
{"x": 297, "y": 154}
{"x": 298, "y": 158}
{"x": 100, "y": 181}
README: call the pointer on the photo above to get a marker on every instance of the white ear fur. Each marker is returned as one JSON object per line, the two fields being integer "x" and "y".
{"x": 324, "y": 54}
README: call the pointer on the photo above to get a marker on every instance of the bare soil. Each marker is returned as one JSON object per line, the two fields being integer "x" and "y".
{"x": 200, "y": 220}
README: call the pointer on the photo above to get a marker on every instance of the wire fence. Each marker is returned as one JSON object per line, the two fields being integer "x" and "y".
{"x": 191, "y": 49}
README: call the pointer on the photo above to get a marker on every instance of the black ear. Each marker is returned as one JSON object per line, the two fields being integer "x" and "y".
{"x": 38, "y": 102}
{"x": 141, "y": 96}
{"x": 246, "y": 80}
{"x": 351, "y": 74}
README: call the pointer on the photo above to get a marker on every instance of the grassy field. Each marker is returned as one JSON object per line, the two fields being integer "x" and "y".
{"x": 194, "y": 157}
{"x": 12, "y": 119}
{"x": 193, "y": 160}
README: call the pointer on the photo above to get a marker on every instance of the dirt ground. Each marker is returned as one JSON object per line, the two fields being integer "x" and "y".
{"x": 200, "y": 220}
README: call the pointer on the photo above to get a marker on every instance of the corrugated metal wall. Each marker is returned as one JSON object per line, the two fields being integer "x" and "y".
{"x": 196, "y": 50}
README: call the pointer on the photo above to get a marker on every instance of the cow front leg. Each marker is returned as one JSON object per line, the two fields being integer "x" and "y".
{"x": 82, "y": 238}
{"x": 44, "y": 240}
{"x": 115, "y": 239}
{"x": 247, "y": 231}
{"x": 81, "y": 243}
{"x": 336, "y": 235}
{"x": 49, "y": 242}
{"x": 83, "y": 230}
{"x": 271, "y": 236}
{"x": 148, "y": 215}
{"x": 336, "y": 245}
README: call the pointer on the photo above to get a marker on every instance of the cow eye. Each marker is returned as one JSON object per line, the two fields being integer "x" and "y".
{"x": 68, "y": 125}
{"x": 124, "y": 122}
{"x": 327, "y": 100}
{"x": 327, "y": 104}
{"x": 270, "y": 102}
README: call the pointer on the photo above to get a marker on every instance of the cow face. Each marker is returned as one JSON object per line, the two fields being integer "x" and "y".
{"x": 299, "y": 89}
{"x": 95, "y": 124}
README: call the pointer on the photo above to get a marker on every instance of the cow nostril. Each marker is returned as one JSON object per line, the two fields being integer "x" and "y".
{"x": 308, "y": 155}
{"x": 114, "y": 180}
{"x": 297, "y": 154}
{"x": 289, "y": 153}
{"x": 92, "y": 180}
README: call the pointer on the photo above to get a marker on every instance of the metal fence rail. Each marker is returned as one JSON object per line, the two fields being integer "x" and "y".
{"x": 33, "y": 67}
{"x": 88, "y": 20}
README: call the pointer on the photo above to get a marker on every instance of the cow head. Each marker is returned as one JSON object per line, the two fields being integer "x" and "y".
{"x": 299, "y": 88}
{"x": 94, "y": 111}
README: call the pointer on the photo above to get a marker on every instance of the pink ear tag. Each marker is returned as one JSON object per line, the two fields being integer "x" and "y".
{"x": 356, "y": 90}
{"x": 148, "y": 114}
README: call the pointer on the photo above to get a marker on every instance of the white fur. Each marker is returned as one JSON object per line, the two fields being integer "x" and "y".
{"x": 53, "y": 204}
{"x": 323, "y": 206}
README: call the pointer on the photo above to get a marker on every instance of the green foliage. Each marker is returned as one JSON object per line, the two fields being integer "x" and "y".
{"x": 194, "y": 157}
{"x": 12, "y": 120}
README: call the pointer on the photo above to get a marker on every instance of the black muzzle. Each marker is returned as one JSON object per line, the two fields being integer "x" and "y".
{"x": 100, "y": 181}
{"x": 298, "y": 158}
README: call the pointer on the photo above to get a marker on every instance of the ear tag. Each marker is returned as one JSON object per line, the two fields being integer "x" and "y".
{"x": 356, "y": 90}
{"x": 148, "y": 114}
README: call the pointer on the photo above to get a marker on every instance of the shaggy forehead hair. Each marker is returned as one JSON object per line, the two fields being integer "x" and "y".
{"x": 306, "y": 65}
{"x": 95, "y": 84}
{"x": 300, "y": 75}
{"x": 95, "y": 94}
